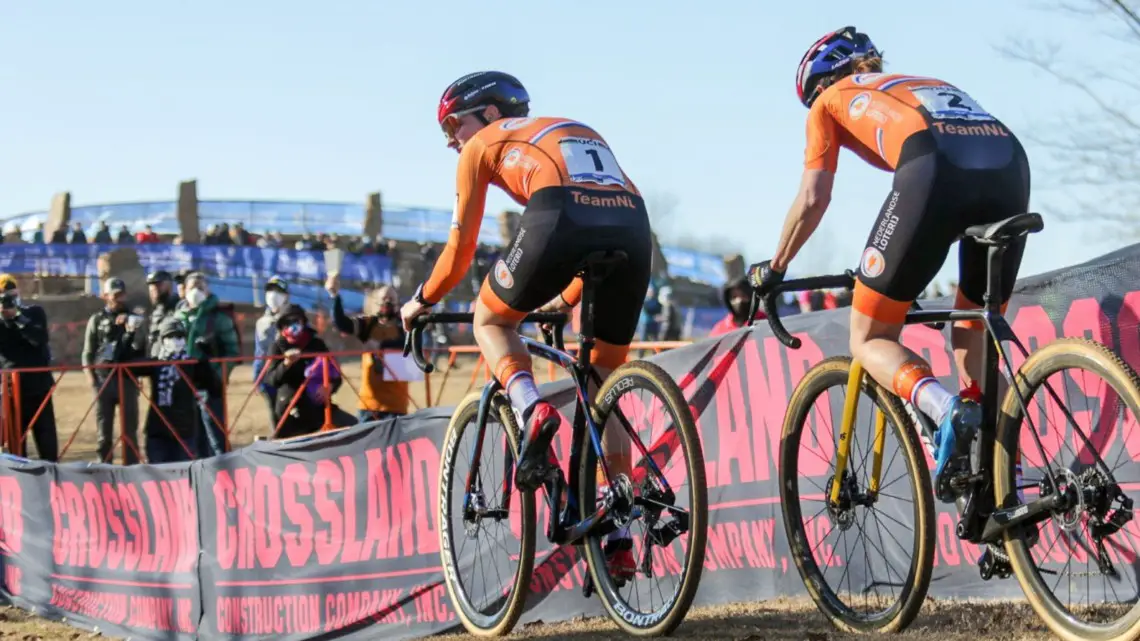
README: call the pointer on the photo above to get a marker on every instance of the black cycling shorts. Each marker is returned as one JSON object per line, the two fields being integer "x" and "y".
{"x": 944, "y": 183}
{"x": 559, "y": 227}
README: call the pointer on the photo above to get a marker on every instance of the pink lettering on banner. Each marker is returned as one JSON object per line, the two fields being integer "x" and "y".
{"x": 11, "y": 515}
{"x": 110, "y": 526}
{"x": 1130, "y": 351}
{"x": 376, "y": 505}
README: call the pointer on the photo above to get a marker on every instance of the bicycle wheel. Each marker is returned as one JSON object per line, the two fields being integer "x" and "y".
{"x": 642, "y": 397}
{"x": 490, "y": 606}
{"x": 1081, "y": 529}
{"x": 857, "y": 506}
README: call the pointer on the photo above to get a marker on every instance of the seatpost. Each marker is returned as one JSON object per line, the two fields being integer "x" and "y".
{"x": 586, "y": 321}
{"x": 992, "y": 301}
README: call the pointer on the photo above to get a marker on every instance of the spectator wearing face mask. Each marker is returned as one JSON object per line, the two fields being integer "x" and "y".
{"x": 265, "y": 333}
{"x": 737, "y": 298}
{"x": 174, "y": 414}
{"x": 210, "y": 333}
{"x": 379, "y": 328}
{"x": 299, "y": 370}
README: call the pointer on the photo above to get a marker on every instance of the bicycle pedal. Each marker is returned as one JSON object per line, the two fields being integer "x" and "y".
{"x": 588, "y": 586}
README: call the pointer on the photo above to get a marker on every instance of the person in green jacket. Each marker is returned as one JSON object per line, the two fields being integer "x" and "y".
{"x": 210, "y": 333}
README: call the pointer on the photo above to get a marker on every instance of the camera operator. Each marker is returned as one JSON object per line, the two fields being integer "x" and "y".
{"x": 379, "y": 328}
{"x": 112, "y": 337}
{"x": 24, "y": 343}
{"x": 160, "y": 286}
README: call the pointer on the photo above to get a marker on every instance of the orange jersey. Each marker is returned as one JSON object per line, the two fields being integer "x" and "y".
{"x": 872, "y": 114}
{"x": 521, "y": 156}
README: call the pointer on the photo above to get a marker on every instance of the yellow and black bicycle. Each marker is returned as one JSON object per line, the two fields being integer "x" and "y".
{"x": 1062, "y": 527}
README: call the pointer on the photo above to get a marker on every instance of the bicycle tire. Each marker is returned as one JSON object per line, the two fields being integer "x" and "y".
{"x": 648, "y": 375}
{"x": 825, "y": 375}
{"x": 1061, "y": 354}
{"x": 502, "y": 621}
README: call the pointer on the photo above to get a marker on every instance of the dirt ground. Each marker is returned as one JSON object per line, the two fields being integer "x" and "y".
{"x": 248, "y": 415}
{"x": 780, "y": 620}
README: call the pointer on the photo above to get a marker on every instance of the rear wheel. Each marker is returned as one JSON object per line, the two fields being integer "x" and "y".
{"x": 1078, "y": 568}
{"x": 487, "y": 535}
{"x": 665, "y": 509}
{"x": 856, "y": 596}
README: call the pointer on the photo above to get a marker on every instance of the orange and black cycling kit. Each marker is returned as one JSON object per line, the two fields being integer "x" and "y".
{"x": 955, "y": 165}
{"x": 577, "y": 199}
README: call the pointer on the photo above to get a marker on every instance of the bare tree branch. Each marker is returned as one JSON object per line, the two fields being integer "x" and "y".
{"x": 1094, "y": 152}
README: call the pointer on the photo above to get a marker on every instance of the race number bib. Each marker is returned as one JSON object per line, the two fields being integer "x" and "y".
{"x": 944, "y": 102}
{"x": 590, "y": 161}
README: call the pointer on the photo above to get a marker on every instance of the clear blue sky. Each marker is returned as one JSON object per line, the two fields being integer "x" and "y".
{"x": 290, "y": 99}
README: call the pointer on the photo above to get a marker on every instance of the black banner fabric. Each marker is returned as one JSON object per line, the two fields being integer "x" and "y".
{"x": 338, "y": 536}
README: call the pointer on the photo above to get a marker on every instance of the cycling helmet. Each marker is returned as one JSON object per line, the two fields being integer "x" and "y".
{"x": 483, "y": 89}
{"x": 828, "y": 56}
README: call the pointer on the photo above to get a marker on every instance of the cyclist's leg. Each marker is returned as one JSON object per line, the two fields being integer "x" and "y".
{"x": 1007, "y": 194}
{"x": 618, "y": 303}
{"x": 538, "y": 264}
{"x": 906, "y": 248}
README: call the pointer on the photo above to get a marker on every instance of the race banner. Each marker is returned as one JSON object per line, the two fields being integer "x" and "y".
{"x": 338, "y": 535}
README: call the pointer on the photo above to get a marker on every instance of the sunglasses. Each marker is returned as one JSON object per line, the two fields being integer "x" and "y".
{"x": 451, "y": 122}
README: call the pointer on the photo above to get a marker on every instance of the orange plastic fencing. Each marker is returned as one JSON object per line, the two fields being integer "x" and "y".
{"x": 447, "y": 385}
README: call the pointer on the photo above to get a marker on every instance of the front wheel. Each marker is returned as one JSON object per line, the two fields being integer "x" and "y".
{"x": 486, "y": 534}
{"x": 827, "y": 539}
{"x": 662, "y": 510}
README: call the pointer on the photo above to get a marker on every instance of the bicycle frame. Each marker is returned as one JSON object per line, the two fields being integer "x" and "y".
{"x": 567, "y": 528}
{"x": 979, "y": 522}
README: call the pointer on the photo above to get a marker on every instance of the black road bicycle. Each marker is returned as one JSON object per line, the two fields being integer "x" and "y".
{"x": 597, "y": 500}
{"x": 1005, "y": 513}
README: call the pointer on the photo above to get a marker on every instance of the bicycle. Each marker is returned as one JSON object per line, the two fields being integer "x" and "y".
{"x": 993, "y": 510}
{"x": 585, "y": 515}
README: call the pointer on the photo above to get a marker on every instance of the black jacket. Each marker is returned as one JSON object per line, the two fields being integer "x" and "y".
{"x": 306, "y": 416}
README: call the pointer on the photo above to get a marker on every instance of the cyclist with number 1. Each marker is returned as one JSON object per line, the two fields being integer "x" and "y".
{"x": 578, "y": 201}
{"x": 955, "y": 165}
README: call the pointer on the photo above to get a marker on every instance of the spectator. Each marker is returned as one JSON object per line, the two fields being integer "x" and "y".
{"x": 304, "y": 243}
{"x": 112, "y": 337}
{"x": 125, "y": 237}
{"x": 209, "y": 334}
{"x": 78, "y": 237}
{"x": 737, "y": 298}
{"x": 59, "y": 236}
{"x": 102, "y": 234}
{"x": 379, "y": 328}
{"x": 147, "y": 236}
{"x": 173, "y": 419}
{"x": 670, "y": 317}
{"x": 177, "y": 240}
{"x": 160, "y": 286}
{"x": 24, "y": 343}
{"x": 302, "y": 377}
{"x": 650, "y": 311}
{"x": 180, "y": 283}
{"x": 265, "y": 334}
{"x": 38, "y": 235}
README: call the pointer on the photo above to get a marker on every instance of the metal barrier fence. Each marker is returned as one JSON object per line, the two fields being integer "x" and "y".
{"x": 447, "y": 385}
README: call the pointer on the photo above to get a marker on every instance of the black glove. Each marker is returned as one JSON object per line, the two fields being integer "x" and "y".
{"x": 763, "y": 278}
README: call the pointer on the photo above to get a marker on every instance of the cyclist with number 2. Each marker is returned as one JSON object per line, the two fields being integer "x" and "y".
{"x": 578, "y": 201}
{"x": 954, "y": 166}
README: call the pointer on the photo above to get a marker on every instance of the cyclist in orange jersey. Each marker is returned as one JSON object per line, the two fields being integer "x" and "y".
{"x": 955, "y": 165}
{"x": 578, "y": 200}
